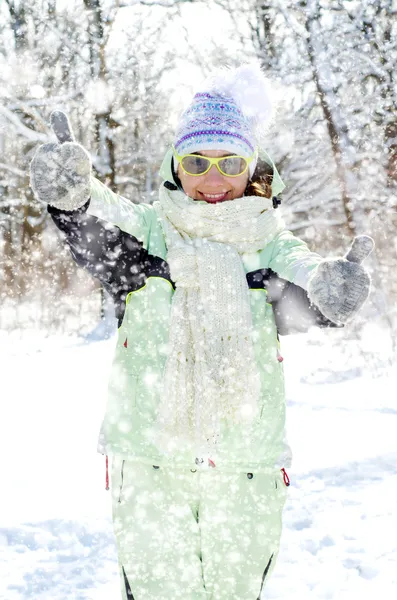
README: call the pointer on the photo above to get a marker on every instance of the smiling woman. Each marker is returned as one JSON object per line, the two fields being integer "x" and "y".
{"x": 195, "y": 419}
{"x": 222, "y": 124}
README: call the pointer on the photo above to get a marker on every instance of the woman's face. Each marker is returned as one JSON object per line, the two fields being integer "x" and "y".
{"x": 213, "y": 187}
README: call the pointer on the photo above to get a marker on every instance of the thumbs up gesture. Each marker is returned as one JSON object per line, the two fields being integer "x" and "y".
{"x": 339, "y": 287}
{"x": 60, "y": 172}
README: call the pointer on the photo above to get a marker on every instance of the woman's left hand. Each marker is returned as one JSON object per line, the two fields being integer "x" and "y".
{"x": 339, "y": 287}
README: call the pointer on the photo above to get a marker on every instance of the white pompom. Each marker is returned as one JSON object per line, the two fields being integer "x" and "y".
{"x": 248, "y": 87}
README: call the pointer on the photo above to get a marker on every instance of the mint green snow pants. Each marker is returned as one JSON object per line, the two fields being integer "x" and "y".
{"x": 195, "y": 534}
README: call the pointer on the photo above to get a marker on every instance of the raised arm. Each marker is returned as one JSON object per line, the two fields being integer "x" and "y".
{"x": 292, "y": 259}
{"x": 118, "y": 260}
{"x": 61, "y": 175}
{"x": 335, "y": 288}
{"x": 132, "y": 218}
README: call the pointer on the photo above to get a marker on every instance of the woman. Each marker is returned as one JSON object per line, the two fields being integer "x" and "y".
{"x": 203, "y": 281}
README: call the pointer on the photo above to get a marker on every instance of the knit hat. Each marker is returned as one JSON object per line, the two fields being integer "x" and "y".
{"x": 214, "y": 122}
{"x": 229, "y": 112}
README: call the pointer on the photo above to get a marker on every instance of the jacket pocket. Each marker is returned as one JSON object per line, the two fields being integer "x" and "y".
{"x": 121, "y": 481}
{"x": 132, "y": 389}
{"x": 123, "y": 390}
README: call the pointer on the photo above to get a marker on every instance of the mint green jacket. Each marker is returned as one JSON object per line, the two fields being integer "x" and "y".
{"x": 277, "y": 278}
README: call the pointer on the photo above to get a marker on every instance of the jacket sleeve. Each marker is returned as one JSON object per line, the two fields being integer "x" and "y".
{"x": 292, "y": 263}
{"x": 292, "y": 259}
{"x": 117, "y": 259}
{"x": 112, "y": 208}
{"x": 292, "y": 309}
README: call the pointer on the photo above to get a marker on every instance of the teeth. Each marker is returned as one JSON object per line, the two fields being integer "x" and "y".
{"x": 214, "y": 195}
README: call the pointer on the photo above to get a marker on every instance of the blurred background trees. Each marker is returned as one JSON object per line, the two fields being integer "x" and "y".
{"x": 123, "y": 71}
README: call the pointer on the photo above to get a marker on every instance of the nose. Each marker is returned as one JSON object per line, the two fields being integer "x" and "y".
{"x": 214, "y": 174}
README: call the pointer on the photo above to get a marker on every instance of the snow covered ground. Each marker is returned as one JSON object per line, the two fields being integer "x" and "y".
{"x": 56, "y": 540}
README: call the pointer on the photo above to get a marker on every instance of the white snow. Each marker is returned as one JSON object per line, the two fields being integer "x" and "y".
{"x": 56, "y": 541}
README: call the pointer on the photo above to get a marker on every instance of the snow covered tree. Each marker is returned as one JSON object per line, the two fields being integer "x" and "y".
{"x": 334, "y": 132}
{"x": 108, "y": 65}
{"x": 72, "y": 57}
{"x": 113, "y": 67}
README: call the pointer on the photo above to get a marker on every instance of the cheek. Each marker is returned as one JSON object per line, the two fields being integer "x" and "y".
{"x": 189, "y": 184}
{"x": 239, "y": 185}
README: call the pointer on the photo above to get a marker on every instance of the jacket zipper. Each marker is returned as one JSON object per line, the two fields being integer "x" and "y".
{"x": 265, "y": 572}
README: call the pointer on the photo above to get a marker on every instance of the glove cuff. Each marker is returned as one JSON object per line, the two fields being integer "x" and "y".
{"x": 74, "y": 199}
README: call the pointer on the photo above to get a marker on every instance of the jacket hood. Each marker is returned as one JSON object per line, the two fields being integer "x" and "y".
{"x": 277, "y": 183}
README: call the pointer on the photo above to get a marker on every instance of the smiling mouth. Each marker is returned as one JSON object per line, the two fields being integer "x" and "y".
{"x": 212, "y": 198}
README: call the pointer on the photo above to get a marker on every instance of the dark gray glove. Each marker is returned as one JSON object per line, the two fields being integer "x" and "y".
{"x": 340, "y": 286}
{"x": 60, "y": 172}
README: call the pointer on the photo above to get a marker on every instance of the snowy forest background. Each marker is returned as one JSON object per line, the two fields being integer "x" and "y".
{"x": 123, "y": 70}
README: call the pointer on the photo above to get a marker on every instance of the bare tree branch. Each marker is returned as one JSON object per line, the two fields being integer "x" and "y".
{"x": 30, "y": 134}
{"x": 13, "y": 170}
{"x": 163, "y": 3}
{"x": 52, "y": 101}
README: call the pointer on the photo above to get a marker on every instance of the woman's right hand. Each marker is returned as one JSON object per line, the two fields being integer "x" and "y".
{"x": 60, "y": 172}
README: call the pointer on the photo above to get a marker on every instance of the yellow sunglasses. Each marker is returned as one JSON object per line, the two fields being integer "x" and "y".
{"x": 231, "y": 166}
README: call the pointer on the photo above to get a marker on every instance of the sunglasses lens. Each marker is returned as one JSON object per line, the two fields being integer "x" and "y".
{"x": 197, "y": 165}
{"x": 194, "y": 165}
{"x": 233, "y": 165}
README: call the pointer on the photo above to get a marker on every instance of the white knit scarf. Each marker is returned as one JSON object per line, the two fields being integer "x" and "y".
{"x": 211, "y": 375}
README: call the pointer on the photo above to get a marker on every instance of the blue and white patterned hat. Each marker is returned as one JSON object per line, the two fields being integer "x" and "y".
{"x": 229, "y": 112}
{"x": 214, "y": 121}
